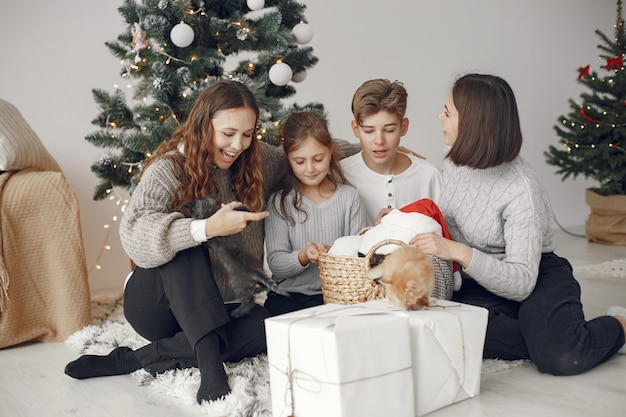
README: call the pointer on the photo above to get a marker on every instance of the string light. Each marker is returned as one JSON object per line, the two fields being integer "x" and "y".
{"x": 578, "y": 146}
{"x": 597, "y": 125}
{"x": 121, "y": 203}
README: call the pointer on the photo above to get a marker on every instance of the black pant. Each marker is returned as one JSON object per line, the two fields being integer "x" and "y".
{"x": 549, "y": 326}
{"x": 279, "y": 304}
{"x": 176, "y": 304}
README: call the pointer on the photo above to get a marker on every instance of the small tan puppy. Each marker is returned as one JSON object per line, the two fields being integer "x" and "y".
{"x": 408, "y": 275}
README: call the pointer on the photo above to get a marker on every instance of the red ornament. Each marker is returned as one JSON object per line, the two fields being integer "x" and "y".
{"x": 584, "y": 116}
{"x": 614, "y": 62}
{"x": 583, "y": 72}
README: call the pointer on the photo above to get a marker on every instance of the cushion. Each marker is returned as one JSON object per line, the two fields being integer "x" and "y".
{"x": 20, "y": 147}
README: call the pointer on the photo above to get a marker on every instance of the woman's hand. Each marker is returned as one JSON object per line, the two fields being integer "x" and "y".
{"x": 311, "y": 253}
{"x": 410, "y": 152}
{"x": 228, "y": 220}
{"x": 443, "y": 248}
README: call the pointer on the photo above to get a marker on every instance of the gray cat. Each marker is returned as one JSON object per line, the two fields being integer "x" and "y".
{"x": 243, "y": 278}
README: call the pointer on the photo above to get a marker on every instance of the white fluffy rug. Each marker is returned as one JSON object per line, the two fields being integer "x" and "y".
{"x": 248, "y": 379}
{"x": 612, "y": 270}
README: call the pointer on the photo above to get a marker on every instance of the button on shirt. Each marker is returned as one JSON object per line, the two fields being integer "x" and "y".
{"x": 377, "y": 191}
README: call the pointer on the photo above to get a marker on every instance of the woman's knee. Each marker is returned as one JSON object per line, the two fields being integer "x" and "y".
{"x": 562, "y": 363}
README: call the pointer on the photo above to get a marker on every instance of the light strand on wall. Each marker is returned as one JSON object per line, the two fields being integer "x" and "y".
{"x": 121, "y": 203}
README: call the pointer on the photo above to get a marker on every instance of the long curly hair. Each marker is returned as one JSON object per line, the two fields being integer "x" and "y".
{"x": 196, "y": 135}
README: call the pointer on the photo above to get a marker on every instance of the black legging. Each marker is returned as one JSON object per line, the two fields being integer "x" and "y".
{"x": 549, "y": 326}
{"x": 176, "y": 304}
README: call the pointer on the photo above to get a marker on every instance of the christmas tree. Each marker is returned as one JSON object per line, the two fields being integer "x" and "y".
{"x": 592, "y": 134}
{"x": 172, "y": 49}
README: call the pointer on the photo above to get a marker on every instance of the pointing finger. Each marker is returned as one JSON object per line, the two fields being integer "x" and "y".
{"x": 256, "y": 216}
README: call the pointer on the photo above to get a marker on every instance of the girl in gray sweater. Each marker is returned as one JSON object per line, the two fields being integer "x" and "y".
{"x": 500, "y": 221}
{"x": 313, "y": 207}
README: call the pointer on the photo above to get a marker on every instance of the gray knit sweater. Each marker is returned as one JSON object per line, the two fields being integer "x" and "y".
{"x": 505, "y": 216}
{"x": 340, "y": 215}
{"x": 152, "y": 233}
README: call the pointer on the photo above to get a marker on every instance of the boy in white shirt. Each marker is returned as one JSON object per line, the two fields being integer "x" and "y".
{"x": 384, "y": 177}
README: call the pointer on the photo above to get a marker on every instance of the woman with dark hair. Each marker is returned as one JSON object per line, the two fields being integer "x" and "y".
{"x": 500, "y": 221}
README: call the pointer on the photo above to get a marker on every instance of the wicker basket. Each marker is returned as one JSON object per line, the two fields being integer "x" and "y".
{"x": 345, "y": 278}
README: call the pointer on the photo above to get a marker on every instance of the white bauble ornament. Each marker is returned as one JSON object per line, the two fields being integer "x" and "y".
{"x": 298, "y": 77}
{"x": 182, "y": 35}
{"x": 280, "y": 74}
{"x": 256, "y": 4}
{"x": 303, "y": 33}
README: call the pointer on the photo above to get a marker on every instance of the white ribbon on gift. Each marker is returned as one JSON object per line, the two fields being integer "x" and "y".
{"x": 448, "y": 343}
{"x": 296, "y": 376}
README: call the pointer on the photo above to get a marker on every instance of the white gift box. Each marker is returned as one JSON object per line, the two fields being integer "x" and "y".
{"x": 340, "y": 360}
{"x": 447, "y": 342}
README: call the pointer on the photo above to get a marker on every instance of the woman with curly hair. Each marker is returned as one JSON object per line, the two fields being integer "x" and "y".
{"x": 178, "y": 296}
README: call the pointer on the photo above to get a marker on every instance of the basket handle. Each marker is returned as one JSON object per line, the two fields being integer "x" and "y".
{"x": 363, "y": 230}
{"x": 382, "y": 243}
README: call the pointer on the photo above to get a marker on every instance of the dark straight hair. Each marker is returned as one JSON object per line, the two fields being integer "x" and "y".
{"x": 489, "y": 132}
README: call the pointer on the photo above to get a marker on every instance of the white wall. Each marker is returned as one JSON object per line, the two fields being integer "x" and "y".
{"x": 52, "y": 54}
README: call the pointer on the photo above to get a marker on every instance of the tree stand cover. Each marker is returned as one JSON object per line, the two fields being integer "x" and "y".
{"x": 607, "y": 222}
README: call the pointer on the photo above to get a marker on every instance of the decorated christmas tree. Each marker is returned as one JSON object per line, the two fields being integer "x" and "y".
{"x": 592, "y": 134}
{"x": 172, "y": 49}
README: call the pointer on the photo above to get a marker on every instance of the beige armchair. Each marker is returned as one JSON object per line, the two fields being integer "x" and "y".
{"x": 44, "y": 289}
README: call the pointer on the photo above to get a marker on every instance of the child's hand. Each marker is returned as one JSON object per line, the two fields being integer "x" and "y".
{"x": 310, "y": 254}
{"x": 230, "y": 219}
{"x": 382, "y": 213}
